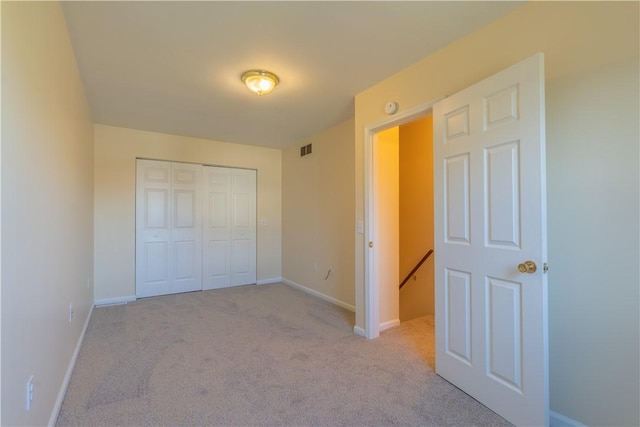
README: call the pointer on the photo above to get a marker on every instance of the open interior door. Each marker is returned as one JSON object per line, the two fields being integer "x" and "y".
{"x": 490, "y": 242}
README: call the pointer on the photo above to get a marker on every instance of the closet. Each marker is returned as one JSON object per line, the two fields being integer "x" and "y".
{"x": 195, "y": 227}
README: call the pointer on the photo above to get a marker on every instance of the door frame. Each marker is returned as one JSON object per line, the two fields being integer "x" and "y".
{"x": 372, "y": 255}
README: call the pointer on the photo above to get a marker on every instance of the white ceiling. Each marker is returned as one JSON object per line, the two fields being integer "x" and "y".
{"x": 174, "y": 67}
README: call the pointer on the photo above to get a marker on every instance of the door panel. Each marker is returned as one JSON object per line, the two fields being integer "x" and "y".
{"x": 185, "y": 174}
{"x": 500, "y": 107}
{"x": 241, "y": 210}
{"x": 185, "y": 257}
{"x": 185, "y": 208}
{"x": 504, "y": 340}
{"x": 217, "y": 235}
{"x": 187, "y": 227}
{"x": 490, "y": 216}
{"x": 153, "y": 234}
{"x": 458, "y": 314}
{"x": 502, "y": 195}
{"x": 457, "y": 199}
{"x": 156, "y": 258}
{"x": 243, "y": 229}
{"x": 168, "y": 228}
{"x": 456, "y": 124}
{"x": 156, "y": 208}
{"x": 230, "y": 233}
{"x": 155, "y": 172}
{"x": 218, "y": 259}
{"x": 241, "y": 257}
{"x": 218, "y": 212}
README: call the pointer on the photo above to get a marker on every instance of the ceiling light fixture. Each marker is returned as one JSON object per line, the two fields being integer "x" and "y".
{"x": 260, "y": 81}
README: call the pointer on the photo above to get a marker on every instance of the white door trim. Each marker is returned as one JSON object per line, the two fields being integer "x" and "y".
{"x": 371, "y": 288}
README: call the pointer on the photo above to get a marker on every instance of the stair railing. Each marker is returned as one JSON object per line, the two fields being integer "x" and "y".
{"x": 424, "y": 258}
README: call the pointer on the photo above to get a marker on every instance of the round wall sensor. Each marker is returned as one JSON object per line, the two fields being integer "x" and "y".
{"x": 391, "y": 107}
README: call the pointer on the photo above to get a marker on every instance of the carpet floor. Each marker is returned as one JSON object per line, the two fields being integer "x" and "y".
{"x": 266, "y": 355}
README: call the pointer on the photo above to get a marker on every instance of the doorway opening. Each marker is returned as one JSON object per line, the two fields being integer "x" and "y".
{"x": 399, "y": 218}
{"x": 416, "y": 268}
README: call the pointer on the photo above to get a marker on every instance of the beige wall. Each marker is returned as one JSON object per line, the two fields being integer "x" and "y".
{"x": 416, "y": 217}
{"x": 592, "y": 152}
{"x": 47, "y": 208}
{"x": 577, "y": 38}
{"x": 386, "y": 234}
{"x": 115, "y": 152}
{"x": 0, "y": 213}
{"x": 317, "y": 214}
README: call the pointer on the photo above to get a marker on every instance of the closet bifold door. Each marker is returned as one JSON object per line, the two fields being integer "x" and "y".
{"x": 168, "y": 228}
{"x": 217, "y": 183}
{"x": 229, "y": 227}
{"x": 243, "y": 227}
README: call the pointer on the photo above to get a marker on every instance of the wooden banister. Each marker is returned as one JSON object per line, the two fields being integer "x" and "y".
{"x": 424, "y": 258}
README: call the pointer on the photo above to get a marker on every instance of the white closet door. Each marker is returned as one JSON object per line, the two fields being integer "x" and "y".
{"x": 217, "y": 235}
{"x": 230, "y": 227}
{"x": 168, "y": 228}
{"x": 243, "y": 227}
{"x": 153, "y": 235}
{"x": 186, "y": 228}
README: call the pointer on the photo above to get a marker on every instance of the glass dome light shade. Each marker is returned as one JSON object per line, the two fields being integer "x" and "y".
{"x": 260, "y": 81}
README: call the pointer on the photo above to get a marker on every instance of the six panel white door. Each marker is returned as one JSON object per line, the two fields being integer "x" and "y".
{"x": 168, "y": 228}
{"x": 490, "y": 216}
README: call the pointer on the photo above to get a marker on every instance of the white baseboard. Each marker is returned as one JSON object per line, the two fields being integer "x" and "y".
{"x": 559, "y": 420}
{"x": 269, "y": 281}
{"x": 319, "y": 295}
{"x": 389, "y": 324}
{"x": 386, "y": 325}
{"x": 67, "y": 376}
{"x": 114, "y": 301}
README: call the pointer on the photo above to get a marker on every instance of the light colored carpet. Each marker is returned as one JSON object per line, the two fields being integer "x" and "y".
{"x": 257, "y": 355}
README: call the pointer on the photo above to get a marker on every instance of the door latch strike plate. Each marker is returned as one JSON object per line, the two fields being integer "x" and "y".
{"x": 545, "y": 267}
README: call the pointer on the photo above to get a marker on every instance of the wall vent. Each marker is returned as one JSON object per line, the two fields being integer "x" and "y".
{"x": 305, "y": 150}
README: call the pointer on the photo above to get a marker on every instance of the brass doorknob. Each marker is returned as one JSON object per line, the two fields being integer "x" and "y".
{"x": 527, "y": 267}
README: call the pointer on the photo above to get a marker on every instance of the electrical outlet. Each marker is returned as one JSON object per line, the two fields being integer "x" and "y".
{"x": 29, "y": 394}
{"x": 70, "y": 312}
